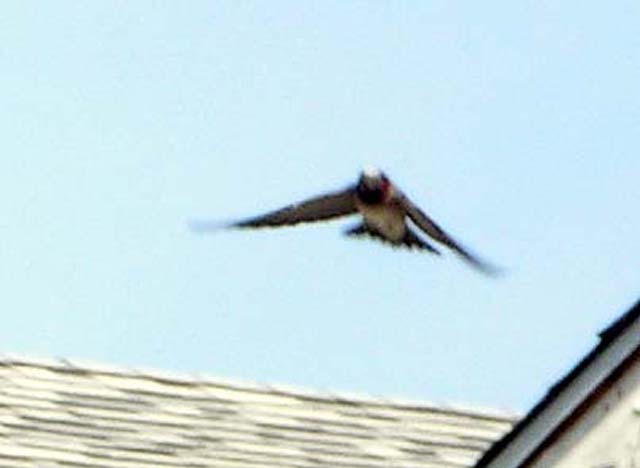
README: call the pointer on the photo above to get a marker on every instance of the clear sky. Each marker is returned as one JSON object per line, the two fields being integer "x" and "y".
{"x": 516, "y": 125}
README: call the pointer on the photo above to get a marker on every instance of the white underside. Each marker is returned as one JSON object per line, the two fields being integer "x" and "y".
{"x": 387, "y": 220}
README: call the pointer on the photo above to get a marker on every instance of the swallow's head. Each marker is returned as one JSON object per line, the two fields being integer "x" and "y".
{"x": 372, "y": 177}
{"x": 373, "y": 186}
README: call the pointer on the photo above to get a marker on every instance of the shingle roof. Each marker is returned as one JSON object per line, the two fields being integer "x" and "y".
{"x": 60, "y": 413}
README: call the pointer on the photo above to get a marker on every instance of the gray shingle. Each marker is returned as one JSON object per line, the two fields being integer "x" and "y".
{"x": 71, "y": 414}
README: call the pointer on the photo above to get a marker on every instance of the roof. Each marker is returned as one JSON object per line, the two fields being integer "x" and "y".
{"x": 619, "y": 345}
{"x": 61, "y": 413}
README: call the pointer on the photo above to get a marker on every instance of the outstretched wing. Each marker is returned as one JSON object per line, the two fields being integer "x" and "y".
{"x": 330, "y": 205}
{"x": 429, "y": 226}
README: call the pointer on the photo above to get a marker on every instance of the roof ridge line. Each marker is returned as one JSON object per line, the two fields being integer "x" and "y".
{"x": 194, "y": 378}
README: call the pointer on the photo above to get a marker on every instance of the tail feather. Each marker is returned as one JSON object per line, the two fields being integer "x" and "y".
{"x": 410, "y": 240}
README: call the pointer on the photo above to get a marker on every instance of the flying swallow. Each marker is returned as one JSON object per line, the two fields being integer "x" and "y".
{"x": 384, "y": 209}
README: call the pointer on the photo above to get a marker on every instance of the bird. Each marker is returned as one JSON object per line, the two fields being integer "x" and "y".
{"x": 386, "y": 213}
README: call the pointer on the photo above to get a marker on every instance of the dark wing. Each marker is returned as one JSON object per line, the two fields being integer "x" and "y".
{"x": 434, "y": 231}
{"x": 330, "y": 205}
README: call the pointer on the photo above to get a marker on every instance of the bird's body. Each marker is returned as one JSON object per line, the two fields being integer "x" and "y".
{"x": 377, "y": 205}
{"x": 388, "y": 220}
{"x": 384, "y": 209}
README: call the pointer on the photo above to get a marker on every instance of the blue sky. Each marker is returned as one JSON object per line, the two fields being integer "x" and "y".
{"x": 515, "y": 125}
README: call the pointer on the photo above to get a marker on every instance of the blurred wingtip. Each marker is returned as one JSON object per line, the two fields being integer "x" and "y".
{"x": 491, "y": 270}
{"x": 201, "y": 226}
{"x": 483, "y": 266}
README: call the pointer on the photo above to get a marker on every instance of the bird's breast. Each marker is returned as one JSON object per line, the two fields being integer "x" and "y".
{"x": 388, "y": 220}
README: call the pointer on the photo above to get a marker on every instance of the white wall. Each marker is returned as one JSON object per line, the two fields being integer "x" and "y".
{"x": 607, "y": 435}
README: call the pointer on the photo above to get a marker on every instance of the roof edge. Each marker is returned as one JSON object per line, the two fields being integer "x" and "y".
{"x": 195, "y": 378}
{"x": 607, "y": 337}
